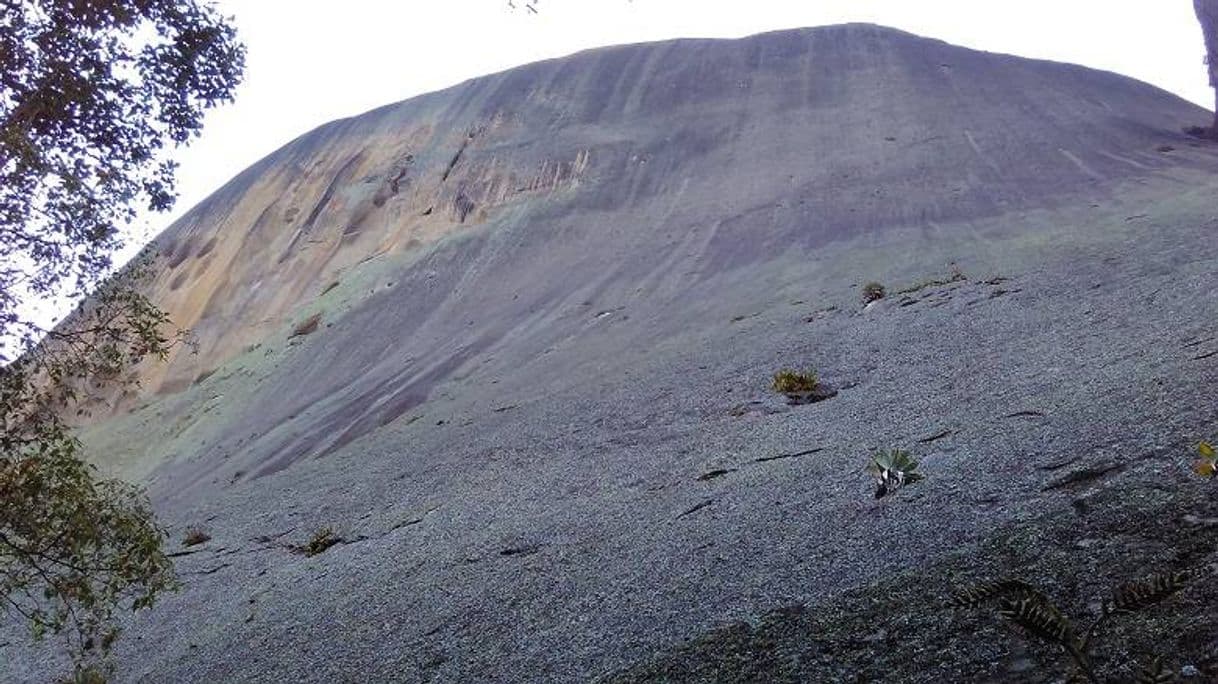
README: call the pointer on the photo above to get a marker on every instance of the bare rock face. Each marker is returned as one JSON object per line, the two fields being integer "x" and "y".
{"x": 513, "y": 341}
{"x": 782, "y": 141}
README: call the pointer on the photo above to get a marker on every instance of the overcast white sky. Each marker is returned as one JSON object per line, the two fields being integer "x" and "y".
{"x": 312, "y": 61}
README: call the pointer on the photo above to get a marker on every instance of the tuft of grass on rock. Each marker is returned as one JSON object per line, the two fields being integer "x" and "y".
{"x": 788, "y": 381}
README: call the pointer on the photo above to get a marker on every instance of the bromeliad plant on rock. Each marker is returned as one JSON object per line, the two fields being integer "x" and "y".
{"x": 1025, "y": 606}
{"x": 892, "y": 469}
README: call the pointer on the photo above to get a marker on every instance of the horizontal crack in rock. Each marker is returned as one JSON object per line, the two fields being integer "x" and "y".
{"x": 526, "y": 550}
{"x": 697, "y": 508}
{"x": 1078, "y": 478}
{"x": 936, "y": 436}
{"x": 1025, "y": 414}
{"x": 797, "y": 454}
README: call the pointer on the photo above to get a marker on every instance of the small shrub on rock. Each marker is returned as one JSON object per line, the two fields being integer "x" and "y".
{"x": 195, "y": 536}
{"x": 322, "y": 540}
{"x": 872, "y": 291}
{"x": 1207, "y": 465}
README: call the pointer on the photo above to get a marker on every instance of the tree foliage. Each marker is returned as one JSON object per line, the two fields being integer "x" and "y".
{"x": 91, "y": 95}
{"x": 94, "y": 94}
{"x": 75, "y": 547}
{"x": 1207, "y": 16}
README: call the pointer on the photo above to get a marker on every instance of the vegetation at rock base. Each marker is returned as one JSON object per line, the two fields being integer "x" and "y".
{"x": 1025, "y": 606}
{"x": 92, "y": 98}
{"x": 900, "y": 626}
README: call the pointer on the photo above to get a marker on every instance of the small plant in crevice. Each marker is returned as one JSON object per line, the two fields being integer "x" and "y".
{"x": 321, "y": 541}
{"x": 1154, "y": 673}
{"x": 872, "y": 291}
{"x": 1202, "y": 132}
{"x": 306, "y": 327}
{"x": 195, "y": 536}
{"x": 789, "y": 381}
{"x": 957, "y": 276}
{"x": 87, "y": 674}
{"x": 892, "y": 469}
{"x": 1207, "y": 464}
{"x": 1025, "y": 606}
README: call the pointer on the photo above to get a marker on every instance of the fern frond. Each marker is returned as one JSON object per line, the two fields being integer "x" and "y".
{"x": 1133, "y": 596}
{"x": 1156, "y": 673}
{"x": 1037, "y": 614}
{"x": 977, "y": 594}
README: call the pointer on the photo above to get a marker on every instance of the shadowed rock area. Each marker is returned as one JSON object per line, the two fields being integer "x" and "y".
{"x": 513, "y": 342}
